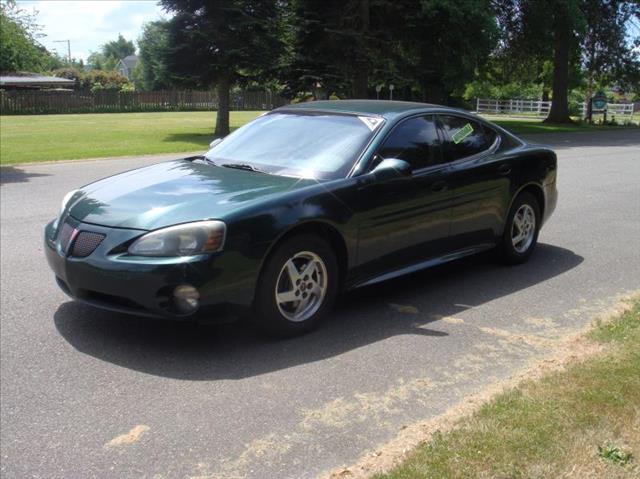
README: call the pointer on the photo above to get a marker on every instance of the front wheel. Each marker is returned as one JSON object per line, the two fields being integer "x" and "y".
{"x": 521, "y": 230}
{"x": 297, "y": 286}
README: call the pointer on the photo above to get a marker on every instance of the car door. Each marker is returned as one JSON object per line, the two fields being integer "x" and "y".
{"x": 479, "y": 179}
{"x": 405, "y": 220}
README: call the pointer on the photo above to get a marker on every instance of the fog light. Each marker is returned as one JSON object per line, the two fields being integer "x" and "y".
{"x": 186, "y": 298}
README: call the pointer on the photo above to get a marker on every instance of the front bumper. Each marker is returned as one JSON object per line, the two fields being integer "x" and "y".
{"x": 143, "y": 286}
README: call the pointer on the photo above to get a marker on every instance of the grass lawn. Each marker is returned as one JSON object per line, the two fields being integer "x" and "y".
{"x": 36, "y": 138}
{"x": 581, "y": 422}
{"x": 67, "y": 137}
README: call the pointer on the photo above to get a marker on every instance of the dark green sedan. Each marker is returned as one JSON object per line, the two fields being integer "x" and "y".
{"x": 301, "y": 203}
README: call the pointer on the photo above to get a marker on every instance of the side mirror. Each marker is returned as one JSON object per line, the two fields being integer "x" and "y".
{"x": 392, "y": 169}
{"x": 215, "y": 142}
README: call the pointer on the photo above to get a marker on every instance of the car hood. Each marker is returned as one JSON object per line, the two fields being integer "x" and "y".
{"x": 174, "y": 192}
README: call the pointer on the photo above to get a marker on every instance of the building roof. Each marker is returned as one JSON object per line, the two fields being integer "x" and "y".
{"x": 130, "y": 62}
{"x": 384, "y": 108}
{"x": 32, "y": 80}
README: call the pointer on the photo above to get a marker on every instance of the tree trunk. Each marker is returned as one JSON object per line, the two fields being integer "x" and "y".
{"x": 545, "y": 94}
{"x": 361, "y": 81}
{"x": 433, "y": 93}
{"x": 559, "y": 112}
{"x": 222, "y": 120}
{"x": 589, "y": 115}
{"x": 361, "y": 74}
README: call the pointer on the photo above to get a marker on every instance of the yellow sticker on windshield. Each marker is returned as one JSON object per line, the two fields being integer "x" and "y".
{"x": 462, "y": 133}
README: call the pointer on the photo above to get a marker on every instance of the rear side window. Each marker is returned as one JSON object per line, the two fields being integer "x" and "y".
{"x": 464, "y": 137}
{"x": 414, "y": 141}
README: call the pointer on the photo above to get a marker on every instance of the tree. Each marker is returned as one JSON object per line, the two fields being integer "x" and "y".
{"x": 337, "y": 46}
{"x": 443, "y": 48}
{"x": 153, "y": 45}
{"x": 19, "y": 47}
{"x": 222, "y": 43}
{"x": 346, "y": 46}
{"x": 118, "y": 49}
{"x": 109, "y": 54}
{"x": 606, "y": 56}
{"x": 316, "y": 58}
{"x": 570, "y": 33}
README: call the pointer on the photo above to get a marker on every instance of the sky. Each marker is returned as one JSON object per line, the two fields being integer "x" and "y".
{"x": 90, "y": 23}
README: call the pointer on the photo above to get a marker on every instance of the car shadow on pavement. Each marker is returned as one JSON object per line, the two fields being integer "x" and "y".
{"x": 10, "y": 174}
{"x": 412, "y": 305}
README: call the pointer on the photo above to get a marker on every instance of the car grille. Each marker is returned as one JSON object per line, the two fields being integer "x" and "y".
{"x": 85, "y": 243}
{"x": 66, "y": 235}
{"x": 78, "y": 243}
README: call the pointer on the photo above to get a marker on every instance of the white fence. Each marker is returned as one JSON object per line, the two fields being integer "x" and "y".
{"x": 541, "y": 108}
{"x": 621, "y": 109}
{"x": 513, "y": 107}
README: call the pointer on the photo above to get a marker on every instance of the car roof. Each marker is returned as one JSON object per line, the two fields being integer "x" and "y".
{"x": 384, "y": 108}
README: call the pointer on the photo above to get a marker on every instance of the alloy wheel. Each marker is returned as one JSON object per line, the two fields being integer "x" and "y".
{"x": 301, "y": 286}
{"x": 523, "y": 228}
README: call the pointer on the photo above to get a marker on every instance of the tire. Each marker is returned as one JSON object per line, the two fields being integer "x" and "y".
{"x": 312, "y": 295}
{"x": 525, "y": 208}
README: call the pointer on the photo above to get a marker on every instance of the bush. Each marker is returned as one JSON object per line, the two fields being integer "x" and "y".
{"x": 108, "y": 79}
{"x": 69, "y": 73}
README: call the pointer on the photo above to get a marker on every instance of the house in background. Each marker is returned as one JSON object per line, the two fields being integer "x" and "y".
{"x": 126, "y": 66}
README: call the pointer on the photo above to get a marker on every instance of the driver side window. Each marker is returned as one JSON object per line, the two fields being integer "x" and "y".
{"x": 414, "y": 141}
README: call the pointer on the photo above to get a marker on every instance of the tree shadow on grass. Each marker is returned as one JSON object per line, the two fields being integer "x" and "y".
{"x": 198, "y": 138}
{"x": 10, "y": 174}
{"x": 362, "y": 317}
{"x": 622, "y": 137}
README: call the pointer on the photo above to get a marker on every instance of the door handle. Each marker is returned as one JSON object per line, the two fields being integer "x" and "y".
{"x": 439, "y": 186}
{"x": 504, "y": 169}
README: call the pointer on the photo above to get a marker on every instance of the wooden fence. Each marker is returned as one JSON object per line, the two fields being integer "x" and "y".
{"x": 22, "y": 102}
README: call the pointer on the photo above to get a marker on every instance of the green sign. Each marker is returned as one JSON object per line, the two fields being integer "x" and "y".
{"x": 462, "y": 133}
{"x": 599, "y": 101}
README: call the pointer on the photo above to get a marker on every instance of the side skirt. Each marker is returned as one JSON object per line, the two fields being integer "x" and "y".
{"x": 423, "y": 265}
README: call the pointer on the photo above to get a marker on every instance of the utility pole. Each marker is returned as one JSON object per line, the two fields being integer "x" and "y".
{"x": 68, "y": 42}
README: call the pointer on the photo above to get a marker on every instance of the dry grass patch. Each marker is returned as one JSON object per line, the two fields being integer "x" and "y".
{"x": 581, "y": 422}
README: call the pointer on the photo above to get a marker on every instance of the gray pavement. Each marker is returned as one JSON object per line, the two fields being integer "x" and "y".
{"x": 87, "y": 393}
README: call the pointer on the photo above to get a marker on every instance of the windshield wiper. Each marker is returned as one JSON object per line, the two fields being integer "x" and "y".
{"x": 203, "y": 159}
{"x": 243, "y": 166}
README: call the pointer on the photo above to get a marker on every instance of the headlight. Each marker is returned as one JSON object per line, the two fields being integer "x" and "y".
{"x": 66, "y": 199}
{"x": 182, "y": 240}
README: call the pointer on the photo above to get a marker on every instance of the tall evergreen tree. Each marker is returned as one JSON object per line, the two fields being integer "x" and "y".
{"x": 153, "y": 45}
{"x": 221, "y": 43}
{"x": 348, "y": 46}
{"x": 444, "y": 47}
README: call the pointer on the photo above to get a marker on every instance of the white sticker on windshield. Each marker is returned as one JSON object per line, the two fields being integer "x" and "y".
{"x": 371, "y": 122}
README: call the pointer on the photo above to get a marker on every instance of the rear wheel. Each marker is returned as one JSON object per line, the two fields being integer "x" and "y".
{"x": 521, "y": 231}
{"x": 297, "y": 286}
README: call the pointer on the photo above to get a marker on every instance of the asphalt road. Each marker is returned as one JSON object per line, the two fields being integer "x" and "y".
{"x": 87, "y": 393}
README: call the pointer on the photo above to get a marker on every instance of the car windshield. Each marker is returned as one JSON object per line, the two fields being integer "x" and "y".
{"x": 305, "y": 145}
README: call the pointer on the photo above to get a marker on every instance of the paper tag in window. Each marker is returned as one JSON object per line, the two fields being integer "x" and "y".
{"x": 371, "y": 122}
{"x": 462, "y": 133}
